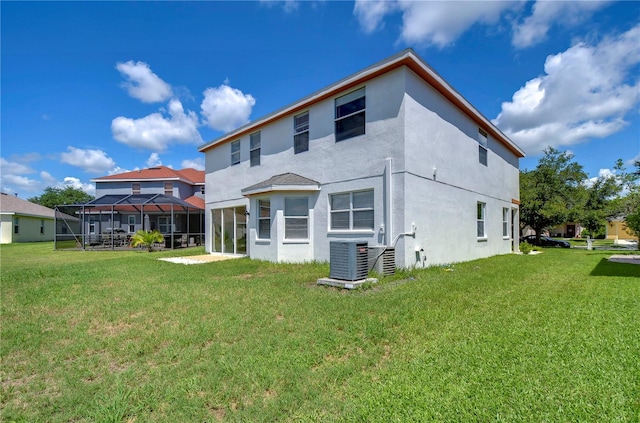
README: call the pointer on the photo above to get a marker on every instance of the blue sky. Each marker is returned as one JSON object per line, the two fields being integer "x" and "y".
{"x": 90, "y": 89}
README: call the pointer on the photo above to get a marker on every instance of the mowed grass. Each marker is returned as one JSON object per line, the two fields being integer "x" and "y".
{"x": 123, "y": 337}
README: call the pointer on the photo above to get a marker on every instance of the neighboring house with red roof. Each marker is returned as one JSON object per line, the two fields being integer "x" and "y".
{"x": 169, "y": 200}
{"x": 24, "y": 221}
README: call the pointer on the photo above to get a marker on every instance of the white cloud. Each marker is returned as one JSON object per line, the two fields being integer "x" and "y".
{"x": 15, "y": 183}
{"x": 154, "y": 160}
{"x": 437, "y": 23}
{"x": 70, "y": 181}
{"x": 156, "y": 132}
{"x": 142, "y": 83}
{"x": 197, "y": 163}
{"x": 92, "y": 161}
{"x": 7, "y": 167}
{"x": 225, "y": 108}
{"x": 370, "y": 13}
{"x": 48, "y": 179}
{"x": 289, "y": 6}
{"x": 585, "y": 93}
{"x": 546, "y": 13}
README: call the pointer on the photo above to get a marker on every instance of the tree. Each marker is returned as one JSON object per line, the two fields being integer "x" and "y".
{"x": 147, "y": 238}
{"x": 600, "y": 197}
{"x": 53, "y": 196}
{"x": 551, "y": 193}
{"x": 631, "y": 206}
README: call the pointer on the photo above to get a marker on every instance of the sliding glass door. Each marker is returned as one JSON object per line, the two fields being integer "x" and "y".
{"x": 229, "y": 235}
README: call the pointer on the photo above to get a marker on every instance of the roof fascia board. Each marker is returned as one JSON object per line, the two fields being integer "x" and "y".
{"x": 406, "y": 58}
{"x": 173, "y": 178}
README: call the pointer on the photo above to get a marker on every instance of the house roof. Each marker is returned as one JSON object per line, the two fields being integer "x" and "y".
{"x": 10, "y": 204}
{"x": 158, "y": 173}
{"x": 195, "y": 201}
{"x": 129, "y": 202}
{"x": 407, "y": 58}
{"x": 283, "y": 182}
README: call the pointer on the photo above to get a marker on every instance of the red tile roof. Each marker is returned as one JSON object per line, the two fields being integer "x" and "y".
{"x": 195, "y": 201}
{"x": 190, "y": 175}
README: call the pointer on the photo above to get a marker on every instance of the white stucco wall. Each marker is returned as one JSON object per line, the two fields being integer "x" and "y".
{"x": 416, "y": 128}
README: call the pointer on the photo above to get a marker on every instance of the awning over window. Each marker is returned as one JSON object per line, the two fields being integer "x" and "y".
{"x": 283, "y": 182}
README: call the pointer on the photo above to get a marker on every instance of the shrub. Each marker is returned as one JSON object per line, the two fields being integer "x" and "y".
{"x": 525, "y": 247}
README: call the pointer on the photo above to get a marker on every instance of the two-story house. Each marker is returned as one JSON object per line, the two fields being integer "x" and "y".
{"x": 391, "y": 156}
{"x": 169, "y": 200}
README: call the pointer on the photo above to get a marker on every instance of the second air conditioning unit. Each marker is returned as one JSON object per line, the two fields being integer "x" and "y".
{"x": 382, "y": 260}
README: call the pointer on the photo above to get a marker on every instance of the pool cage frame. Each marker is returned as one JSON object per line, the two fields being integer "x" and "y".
{"x": 105, "y": 223}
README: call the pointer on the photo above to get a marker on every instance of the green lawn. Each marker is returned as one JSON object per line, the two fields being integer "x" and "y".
{"x": 123, "y": 337}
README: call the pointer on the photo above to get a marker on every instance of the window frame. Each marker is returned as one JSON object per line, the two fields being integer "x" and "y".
{"x": 235, "y": 152}
{"x": 481, "y": 214}
{"x": 300, "y": 131}
{"x": 350, "y": 98}
{"x": 483, "y": 151}
{"x": 351, "y": 210}
{"x": 131, "y": 225}
{"x": 168, "y": 189}
{"x": 135, "y": 188}
{"x": 168, "y": 225}
{"x": 289, "y": 218}
{"x": 41, "y": 226}
{"x": 254, "y": 147}
{"x": 263, "y": 204}
{"x": 505, "y": 222}
{"x": 16, "y": 225}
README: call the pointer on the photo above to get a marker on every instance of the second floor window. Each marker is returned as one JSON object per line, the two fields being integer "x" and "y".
{"x": 350, "y": 115}
{"x": 235, "y": 152}
{"x": 254, "y": 149}
{"x": 135, "y": 188}
{"x": 168, "y": 189}
{"x": 301, "y": 133}
{"x": 482, "y": 147}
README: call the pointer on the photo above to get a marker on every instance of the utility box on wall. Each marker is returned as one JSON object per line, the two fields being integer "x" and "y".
{"x": 348, "y": 260}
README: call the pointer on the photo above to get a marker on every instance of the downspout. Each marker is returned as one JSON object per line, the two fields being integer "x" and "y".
{"x": 387, "y": 194}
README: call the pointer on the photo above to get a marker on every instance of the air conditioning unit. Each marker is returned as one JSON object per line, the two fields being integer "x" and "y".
{"x": 348, "y": 260}
{"x": 382, "y": 259}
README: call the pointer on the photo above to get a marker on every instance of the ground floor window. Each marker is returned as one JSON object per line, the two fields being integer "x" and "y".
{"x": 42, "y": 226}
{"x": 480, "y": 219}
{"x": 505, "y": 222}
{"x": 296, "y": 218}
{"x": 164, "y": 224}
{"x": 264, "y": 219}
{"x": 16, "y": 225}
{"x": 132, "y": 224}
{"x": 352, "y": 210}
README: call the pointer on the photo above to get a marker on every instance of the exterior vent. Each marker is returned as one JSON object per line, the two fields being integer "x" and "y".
{"x": 382, "y": 259}
{"x": 348, "y": 260}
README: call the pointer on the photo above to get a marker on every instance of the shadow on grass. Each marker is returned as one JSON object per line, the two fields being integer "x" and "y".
{"x": 611, "y": 268}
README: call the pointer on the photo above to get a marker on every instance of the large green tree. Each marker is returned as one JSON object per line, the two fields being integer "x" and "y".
{"x": 54, "y": 196}
{"x": 551, "y": 193}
